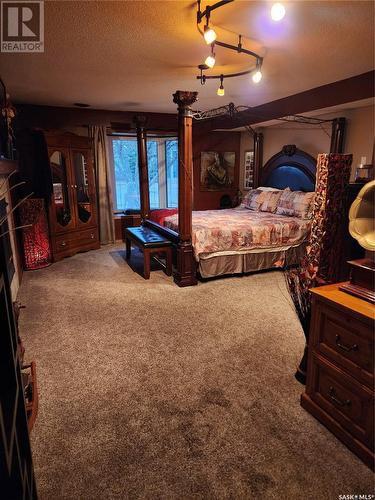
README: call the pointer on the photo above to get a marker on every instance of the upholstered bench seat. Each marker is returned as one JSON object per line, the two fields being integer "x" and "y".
{"x": 150, "y": 242}
{"x": 147, "y": 237}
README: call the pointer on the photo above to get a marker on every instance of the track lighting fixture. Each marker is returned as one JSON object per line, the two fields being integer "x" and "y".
{"x": 220, "y": 90}
{"x": 210, "y": 60}
{"x": 210, "y": 38}
{"x": 257, "y": 76}
{"x": 209, "y": 35}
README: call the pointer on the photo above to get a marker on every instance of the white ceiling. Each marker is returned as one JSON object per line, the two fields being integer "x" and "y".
{"x": 132, "y": 55}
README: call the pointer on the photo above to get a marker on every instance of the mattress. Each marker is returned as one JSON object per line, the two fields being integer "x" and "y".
{"x": 239, "y": 230}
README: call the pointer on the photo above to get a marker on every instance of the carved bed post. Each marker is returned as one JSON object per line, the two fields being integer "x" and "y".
{"x": 186, "y": 267}
{"x": 258, "y": 156}
{"x": 338, "y": 135}
{"x": 140, "y": 122}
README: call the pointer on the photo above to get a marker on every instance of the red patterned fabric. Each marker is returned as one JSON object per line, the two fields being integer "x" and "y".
{"x": 36, "y": 244}
{"x": 160, "y": 214}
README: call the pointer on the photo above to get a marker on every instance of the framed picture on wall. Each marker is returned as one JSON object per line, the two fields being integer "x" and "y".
{"x": 217, "y": 170}
{"x": 249, "y": 170}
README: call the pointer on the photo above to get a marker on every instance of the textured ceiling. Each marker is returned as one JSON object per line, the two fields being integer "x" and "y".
{"x": 132, "y": 55}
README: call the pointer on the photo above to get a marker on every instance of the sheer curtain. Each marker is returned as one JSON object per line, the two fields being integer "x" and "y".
{"x": 103, "y": 185}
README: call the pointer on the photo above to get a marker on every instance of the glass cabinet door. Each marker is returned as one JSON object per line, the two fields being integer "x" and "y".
{"x": 83, "y": 187}
{"x": 60, "y": 179}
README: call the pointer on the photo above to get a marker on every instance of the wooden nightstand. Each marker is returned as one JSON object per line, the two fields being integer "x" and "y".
{"x": 340, "y": 374}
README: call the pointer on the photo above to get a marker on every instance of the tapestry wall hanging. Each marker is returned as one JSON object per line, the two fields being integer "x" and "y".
{"x": 217, "y": 170}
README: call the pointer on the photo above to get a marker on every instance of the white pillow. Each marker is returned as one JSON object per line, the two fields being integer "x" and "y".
{"x": 266, "y": 188}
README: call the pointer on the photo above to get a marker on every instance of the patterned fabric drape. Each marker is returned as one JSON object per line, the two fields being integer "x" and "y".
{"x": 324, "y": 252}
{"x": 103, "y": 185}
{"x": 322, "y": 260}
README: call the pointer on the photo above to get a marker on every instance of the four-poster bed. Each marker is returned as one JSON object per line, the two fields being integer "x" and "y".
{"x": 291, "y": 168}
{"x": 240, "y": 240}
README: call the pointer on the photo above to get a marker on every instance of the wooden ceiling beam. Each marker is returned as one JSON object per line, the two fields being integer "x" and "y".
{"x": 54, "y": 117}
{"x": 333, "y": 94}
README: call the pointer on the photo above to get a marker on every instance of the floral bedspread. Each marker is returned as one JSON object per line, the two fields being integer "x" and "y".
{"x": 239, "y": 229}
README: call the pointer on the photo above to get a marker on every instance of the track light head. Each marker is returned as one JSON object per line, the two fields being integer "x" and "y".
{"x": 209, "y": 35}
{"x": 257, "y": 76}
{"x": 210, "y": 60}
{"x": 220, "y": 90}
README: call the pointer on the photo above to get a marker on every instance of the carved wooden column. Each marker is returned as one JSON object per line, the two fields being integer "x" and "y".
{"x": 186, "y": 266}
{"x": 258, "y": 157}
{"x": 338, "y": 135}
{"x": 140, "y": 122}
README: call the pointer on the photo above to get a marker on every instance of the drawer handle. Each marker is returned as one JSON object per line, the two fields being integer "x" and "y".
{"x": 332, "y": 395}
{"x": 344, "y": 347}
{"x": 63, "y": 244}
{"x": 92, "y": 236}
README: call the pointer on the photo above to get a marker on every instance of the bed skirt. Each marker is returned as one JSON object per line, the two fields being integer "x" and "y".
{"x": 238, "y": 263}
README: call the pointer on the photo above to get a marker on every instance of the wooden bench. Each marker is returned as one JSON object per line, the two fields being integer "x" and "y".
{"x": 150, "y": 242}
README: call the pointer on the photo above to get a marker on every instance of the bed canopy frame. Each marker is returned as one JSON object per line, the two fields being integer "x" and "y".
{"x": 291, "y": 165}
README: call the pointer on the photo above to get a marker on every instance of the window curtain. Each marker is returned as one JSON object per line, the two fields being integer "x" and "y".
{"x": 103, "y": 184}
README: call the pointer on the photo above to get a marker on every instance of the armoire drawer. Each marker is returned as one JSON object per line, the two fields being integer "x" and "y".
{"x": 61, "y": 243}
{"x": 346, "y": 341}
{"x": 343, "y": 398}
{"x": 74, "y": 241}
{"x": 86, "y": 237}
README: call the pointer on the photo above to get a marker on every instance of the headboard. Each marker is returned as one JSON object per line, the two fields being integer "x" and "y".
{"x": 292, "y": 168}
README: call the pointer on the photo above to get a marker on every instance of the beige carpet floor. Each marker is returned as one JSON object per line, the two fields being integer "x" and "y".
{"x": 155, "y": 392}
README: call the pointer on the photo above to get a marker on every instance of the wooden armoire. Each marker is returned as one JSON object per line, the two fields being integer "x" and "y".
{"x": 73, "y": 207}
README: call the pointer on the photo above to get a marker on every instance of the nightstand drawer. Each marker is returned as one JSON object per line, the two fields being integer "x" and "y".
{"x": 346, "y": 341}
{"x": 343, "y": 398}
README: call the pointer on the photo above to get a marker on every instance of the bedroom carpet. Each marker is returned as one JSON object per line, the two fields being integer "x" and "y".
{"x": 147, "y": 390}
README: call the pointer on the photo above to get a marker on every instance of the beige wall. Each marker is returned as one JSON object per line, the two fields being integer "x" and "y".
{"x": 313, "y": 139}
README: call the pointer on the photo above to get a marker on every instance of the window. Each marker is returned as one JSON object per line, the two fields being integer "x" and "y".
{"x": 125, "y": 169}
{"x": 171, "y": 160}
{"x": 162, "y": 155}
{"x": 153, "y": 173}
